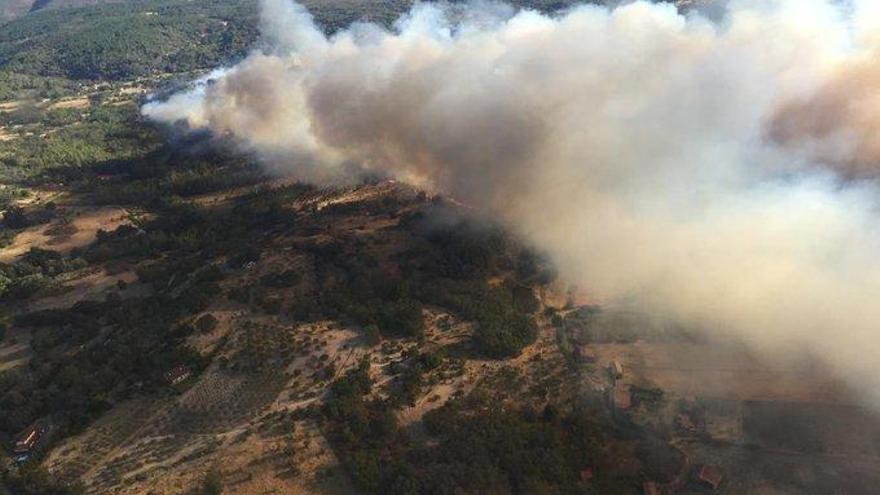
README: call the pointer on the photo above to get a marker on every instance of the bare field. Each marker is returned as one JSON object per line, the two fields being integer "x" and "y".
{"x": 91, "y": 286}
{"x": 81, "y": 102}
{"x": 59, "y": 236}
{"x": 7, "y": 106}
{"x": 303, "y": 463}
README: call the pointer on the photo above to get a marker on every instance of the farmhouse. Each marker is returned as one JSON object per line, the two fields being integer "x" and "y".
{"x": 177, "y": 374}
{"x": 29, "y": 440}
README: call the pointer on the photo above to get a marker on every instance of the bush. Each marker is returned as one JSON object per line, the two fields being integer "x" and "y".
{"x": 524, "y": 299}
{"x": 402, "y": 318}
{"x": 25, "y": 287}
{"x": 372, "y": 335}
{"x": 206, "y": 323}
{"x": 504, "y": 336}
{"x": 212, "y": 484}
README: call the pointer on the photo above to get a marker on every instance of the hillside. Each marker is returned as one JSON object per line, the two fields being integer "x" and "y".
{"x": 182, "y": 321}
{"x": 12, "y": 9}
{"x": 176, "y": 318}
{"x": 95, "y": 39}
{"x": 118, "y": 41}
{"x": 347, "y": 9}
{"x": 124, "y": 40}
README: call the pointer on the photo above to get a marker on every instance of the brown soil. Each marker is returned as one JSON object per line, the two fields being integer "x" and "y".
{"x": 61, "y": 236}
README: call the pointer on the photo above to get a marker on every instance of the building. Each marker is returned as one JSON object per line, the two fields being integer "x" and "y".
{"x": 709, "y": 476}
{"x": 616, "y": 370}
{"x": 28, "y": 441}
{"x": 177, "y": 374}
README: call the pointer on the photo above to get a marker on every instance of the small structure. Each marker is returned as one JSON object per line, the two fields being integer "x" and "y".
{"x": 616, "y": 370}
{"x": 650, "y": 488}
{"x": 709, "y": 476}
{"x": 28, "y": 441}
{"x": 177, "y": 374}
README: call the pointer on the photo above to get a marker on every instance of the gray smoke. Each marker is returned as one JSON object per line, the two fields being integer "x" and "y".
{"x": 719, "y": 172}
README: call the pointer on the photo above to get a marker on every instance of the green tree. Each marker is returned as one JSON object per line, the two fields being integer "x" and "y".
{"x": 206, "y": 323}
{"x": 501, "y": 336}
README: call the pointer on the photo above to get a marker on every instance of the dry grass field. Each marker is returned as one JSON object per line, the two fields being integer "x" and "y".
{"x": 78, "y": 228}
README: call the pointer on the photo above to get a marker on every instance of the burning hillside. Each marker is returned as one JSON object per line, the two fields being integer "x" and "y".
{"x": 712, "y": 172}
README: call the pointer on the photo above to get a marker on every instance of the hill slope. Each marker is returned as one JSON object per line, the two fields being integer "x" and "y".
{"x": 95, "y": 39}
{"x": 118, "y": 41}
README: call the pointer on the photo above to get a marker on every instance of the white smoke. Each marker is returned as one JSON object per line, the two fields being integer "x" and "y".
{"x": 715, "y": 172}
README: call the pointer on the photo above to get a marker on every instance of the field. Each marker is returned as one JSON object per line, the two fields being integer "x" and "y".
{"x": 76, "y": 228}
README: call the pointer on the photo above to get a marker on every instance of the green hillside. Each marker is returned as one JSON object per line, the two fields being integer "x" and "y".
{"x": 119, "y": 41}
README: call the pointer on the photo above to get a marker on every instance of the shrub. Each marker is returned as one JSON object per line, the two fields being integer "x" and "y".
{"x": 504, "y": 336}
{"x": 206, "y": 323}
{"x": 403, "y": 318}
{"x": 372, "y": 334}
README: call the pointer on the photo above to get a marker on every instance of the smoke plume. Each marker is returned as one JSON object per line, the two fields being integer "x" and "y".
{"x": 718, "y": 172}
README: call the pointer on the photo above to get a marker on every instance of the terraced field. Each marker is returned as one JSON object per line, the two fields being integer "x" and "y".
{"x": 219, "y": 402}
{"x": 138, "y": 441}
{"x": 123, "y": 424}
